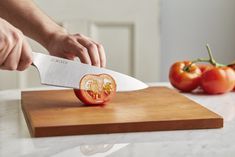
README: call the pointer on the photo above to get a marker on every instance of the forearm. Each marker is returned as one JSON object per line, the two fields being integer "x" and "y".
{"x": 25, "y": 15}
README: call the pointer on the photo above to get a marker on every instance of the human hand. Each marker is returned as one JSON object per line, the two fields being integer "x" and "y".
{"x": 69, "y": 46}
{"x": 15, "y": 52}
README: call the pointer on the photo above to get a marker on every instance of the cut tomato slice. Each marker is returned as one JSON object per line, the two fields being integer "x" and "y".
{"x": 96, "y": 89}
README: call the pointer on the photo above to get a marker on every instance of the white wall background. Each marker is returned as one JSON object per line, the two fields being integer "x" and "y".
{"x": 128, "y": 29}
{"x": 186, "y": 26}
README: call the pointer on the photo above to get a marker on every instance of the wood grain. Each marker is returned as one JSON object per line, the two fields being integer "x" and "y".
{"x": 59, "y": 112}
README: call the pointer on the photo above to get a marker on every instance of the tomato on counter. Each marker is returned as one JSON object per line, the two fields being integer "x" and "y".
{"x": 233, "y": 67}
{"x": 218, "y": 80}
{"x": 96, "y": 89}
{"x": 213, "y": 78}
{"x": 185, "y": 76}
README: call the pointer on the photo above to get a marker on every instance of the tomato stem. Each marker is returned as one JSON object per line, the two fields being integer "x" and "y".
{"x": 186, "y": 68}
{"x": 212, "y": 60}
{"x": 201, "y": 60}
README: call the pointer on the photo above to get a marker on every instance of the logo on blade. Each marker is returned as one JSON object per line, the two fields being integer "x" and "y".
{"x": 55, "y": 60}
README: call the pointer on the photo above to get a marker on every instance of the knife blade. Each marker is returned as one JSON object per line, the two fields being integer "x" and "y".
{"x": 61, "y": 72}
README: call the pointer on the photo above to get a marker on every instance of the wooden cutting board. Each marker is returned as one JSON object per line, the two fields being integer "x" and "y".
{"x": 59, "y": 112}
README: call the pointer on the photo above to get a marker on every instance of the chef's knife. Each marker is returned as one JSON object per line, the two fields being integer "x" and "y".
{"x": 61, "y": 72}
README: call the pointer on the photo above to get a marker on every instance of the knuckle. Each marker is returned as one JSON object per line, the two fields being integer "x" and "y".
{"x": 99, "y": 46}
{"x": 91, "y": 46}
{"x": 7, "y": 41}
{"x": 78, "y": 34}
{"x": 69, "y": 39}
{"x": 83, "y": 51}
{"x": 20, "y": 33}
{"x": 16, "y": 36}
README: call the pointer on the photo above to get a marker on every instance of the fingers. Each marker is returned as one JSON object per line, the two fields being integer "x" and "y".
{"x": 12, "y": 60}
{"x": 16, "y": 55}
{"x": 26, "y": 57}
{"x": 95, "y": 50}
{"x": 14, "y": 51}
{"x": 75, "y": 48}
{"x": 92, "y": 50}
{"x": 6, "y": 46}
{"x": 71, "y": 46}
{"x": 101, "y": 54}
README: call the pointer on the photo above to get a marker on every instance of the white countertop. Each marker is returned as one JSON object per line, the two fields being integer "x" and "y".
{"x": 16, "y": 141}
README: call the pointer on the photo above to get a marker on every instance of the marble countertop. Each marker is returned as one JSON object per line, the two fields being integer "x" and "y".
{"x": 16, "y": 141}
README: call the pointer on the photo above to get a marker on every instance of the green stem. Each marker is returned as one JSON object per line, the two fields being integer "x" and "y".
{"x": 201, "y": 60}
{"x": 212, "y": 60}
{"x": 186, "y": 68}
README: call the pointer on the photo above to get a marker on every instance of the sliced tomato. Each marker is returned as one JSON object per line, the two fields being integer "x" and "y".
{"x": 96, "y": 89}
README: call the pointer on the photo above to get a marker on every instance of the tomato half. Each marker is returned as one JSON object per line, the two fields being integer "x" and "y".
{"x": 218, "y": 80}
{"x": 185, "y": 76}
{"x": 96, "y": 89}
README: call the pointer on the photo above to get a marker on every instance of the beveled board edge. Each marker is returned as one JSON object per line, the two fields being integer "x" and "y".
{"x": 27, "y": 116}
{"x": 127, "y": 127}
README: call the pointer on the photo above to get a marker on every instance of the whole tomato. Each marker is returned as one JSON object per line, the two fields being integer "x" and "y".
{"x": 233, "y": 67}
{"x": 185, "y": 76}
{"x": 218, "y": 80}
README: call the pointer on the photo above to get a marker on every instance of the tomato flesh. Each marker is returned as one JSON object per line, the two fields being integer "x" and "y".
{"x": 96, "y": 89}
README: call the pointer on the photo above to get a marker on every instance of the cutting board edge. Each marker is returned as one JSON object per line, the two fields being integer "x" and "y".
{"x": 27, "y": 116}
{"x": 215, "y": 123}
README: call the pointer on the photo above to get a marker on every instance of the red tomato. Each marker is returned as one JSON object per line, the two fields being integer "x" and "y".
{"x": 185, "y": 76}
{"x": 218, "y": 80}
{"x": 204, "y": 67}
{"x": 233, "y": 67}
{"x": 96, "y": 89}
